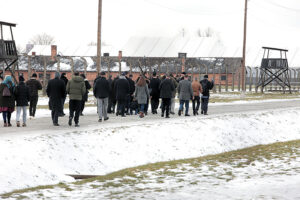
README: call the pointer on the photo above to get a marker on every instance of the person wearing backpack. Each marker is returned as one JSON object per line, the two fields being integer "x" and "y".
{"x": 22, "y": 95}
{"x": 206, "y": 86}
{"x": 7, "y": 100}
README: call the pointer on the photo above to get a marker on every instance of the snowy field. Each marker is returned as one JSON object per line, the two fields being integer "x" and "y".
{"x": 45, "y": 157}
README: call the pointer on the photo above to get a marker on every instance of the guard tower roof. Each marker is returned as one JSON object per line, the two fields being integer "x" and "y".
{"x": 276, "y": 49}
{"x": 7, "y": 24}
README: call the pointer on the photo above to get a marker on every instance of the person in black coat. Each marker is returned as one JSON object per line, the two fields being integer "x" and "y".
{"x": 166, "y": 90}
{"x": 101, "y": 92}
{"x": 131, "y": 91}
{"x": 22, "y": 97}
{"x": 56, "y": 91}
{"x": 34, "y": 86}
{"x": 154, "y": 92}
{"x": 86, "y": 94}
{"x": 65, "y": 79}
{"x": 113, "y": 94}
{"x": 206, "y": 86}
{"x": 122, "y": 90}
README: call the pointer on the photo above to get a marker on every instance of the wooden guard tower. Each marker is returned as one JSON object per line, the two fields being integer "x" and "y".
{"x": 274, "y": 69}
{"x": 8, "y": 50}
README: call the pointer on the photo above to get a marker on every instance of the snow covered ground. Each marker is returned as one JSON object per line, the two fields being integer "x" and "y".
{"x": 274, "y": 174}
{"x": 45, "y": 157}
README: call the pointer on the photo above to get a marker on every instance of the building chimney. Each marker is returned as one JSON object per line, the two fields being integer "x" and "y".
{"x": 53, "y": 52}
{"x": 33, "y": 53}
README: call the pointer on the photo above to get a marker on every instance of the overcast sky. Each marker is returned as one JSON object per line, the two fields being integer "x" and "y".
{"x": 271, "y": 22}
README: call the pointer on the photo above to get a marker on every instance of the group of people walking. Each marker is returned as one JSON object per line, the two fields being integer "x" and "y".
{"x": 121, "y": 95}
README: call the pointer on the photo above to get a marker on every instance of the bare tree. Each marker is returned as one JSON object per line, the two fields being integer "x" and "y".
{"x": 209, "y": 32}
{"x": 42, "y": 39}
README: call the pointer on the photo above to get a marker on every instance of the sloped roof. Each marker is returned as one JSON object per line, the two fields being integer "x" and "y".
{"x": 170, "y": 47}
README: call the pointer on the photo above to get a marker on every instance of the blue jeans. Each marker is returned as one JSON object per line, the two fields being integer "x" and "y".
{"x": 186, "y": 102}
{"x": 142, "y": 107}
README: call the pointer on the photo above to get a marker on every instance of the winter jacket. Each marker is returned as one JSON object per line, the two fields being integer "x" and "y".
{"x": 197, "y": 88}
{"x": 76, "y": 88}
{"x": 154, "y": 87}
{"x": 141, "y": 94}
{"x": 185, "y": 90}
{"x": 22, "y": 94}
{"x": 121, "y": 88}
{"x": 206, "y": 86}
{"x": 8, "y": 102}
{"x": 34, "y": 86}
{"x": 166, "y": 88}
{"x": 101, "y": 88}
{"x": 56, "y": 91}
{"x": 87, "y": 88}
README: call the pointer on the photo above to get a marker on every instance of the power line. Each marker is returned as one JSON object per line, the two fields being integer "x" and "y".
{"x": 281, "y": 6}
{"x": 198, "y": 12}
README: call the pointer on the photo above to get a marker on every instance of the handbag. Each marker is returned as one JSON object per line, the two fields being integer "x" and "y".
{"x": 6, "y": 92}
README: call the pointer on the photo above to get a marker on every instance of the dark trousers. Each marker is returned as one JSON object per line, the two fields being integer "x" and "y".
{"x": 204, "y": 104}
{"x": 75, "y": 107}
{"x": 186, "y": 102}
{"x": 32, "y": 105}
{"x": 166, "y": 102}
{"x": 196, "y": 104}
{"x": 109, "y": 105}
{"x": 82, "y": 106}
{"x": 54, "y": 114}
{"x": 127, "y": 107}
{"x": 6, "y": 116}
{"x": 121, "y": 106}
{"x": 154, "y": 104}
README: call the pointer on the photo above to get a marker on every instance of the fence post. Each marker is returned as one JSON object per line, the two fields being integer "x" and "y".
{"x": 250, "y": 79}
{"x": 226, "y": 71}
{"x": 239, "y": 82}
{"x": 256, "y": 80}
{"x": 58, "y": 63}
{"x": 232, "y": 84}
{"x": 29, "y": 67}
{"x": 220, "y": 79}
{"x": 44, "y": 75}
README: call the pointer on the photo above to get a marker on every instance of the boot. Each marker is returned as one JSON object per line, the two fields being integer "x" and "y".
{"x": 70, "y": 121}
{"x": 18, "y": 124}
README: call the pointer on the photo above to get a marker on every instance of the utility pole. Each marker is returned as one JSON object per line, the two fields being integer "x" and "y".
{"x": 99, "y": 38}
{"x": 244, "y": 49}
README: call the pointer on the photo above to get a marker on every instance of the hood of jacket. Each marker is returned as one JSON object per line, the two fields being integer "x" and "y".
{"x": 78, "y": 79}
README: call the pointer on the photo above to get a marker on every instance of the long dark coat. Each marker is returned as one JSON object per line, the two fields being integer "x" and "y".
{"x": 56, "y": 91}
{"x": 22, "y": 94}
{"x": 122, "y": 89}
{"x": 154, "y": 87}
{"x": 166, "y": 88}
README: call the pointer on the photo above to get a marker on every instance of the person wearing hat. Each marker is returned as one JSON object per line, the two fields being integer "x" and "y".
{"x": 22, "y": 97}
{"x": 76, "y": 89}
{"x": 34, "y": 86}
{"x": 7, "y": 99}
{"x": 101, "y": 92}
{"x": 65, "y": 79}
{"x": 122, "y": 89}
{"x": 154, "y": 92}
{"x": 206, "y": 86}
{"x": 56, "y": 91}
